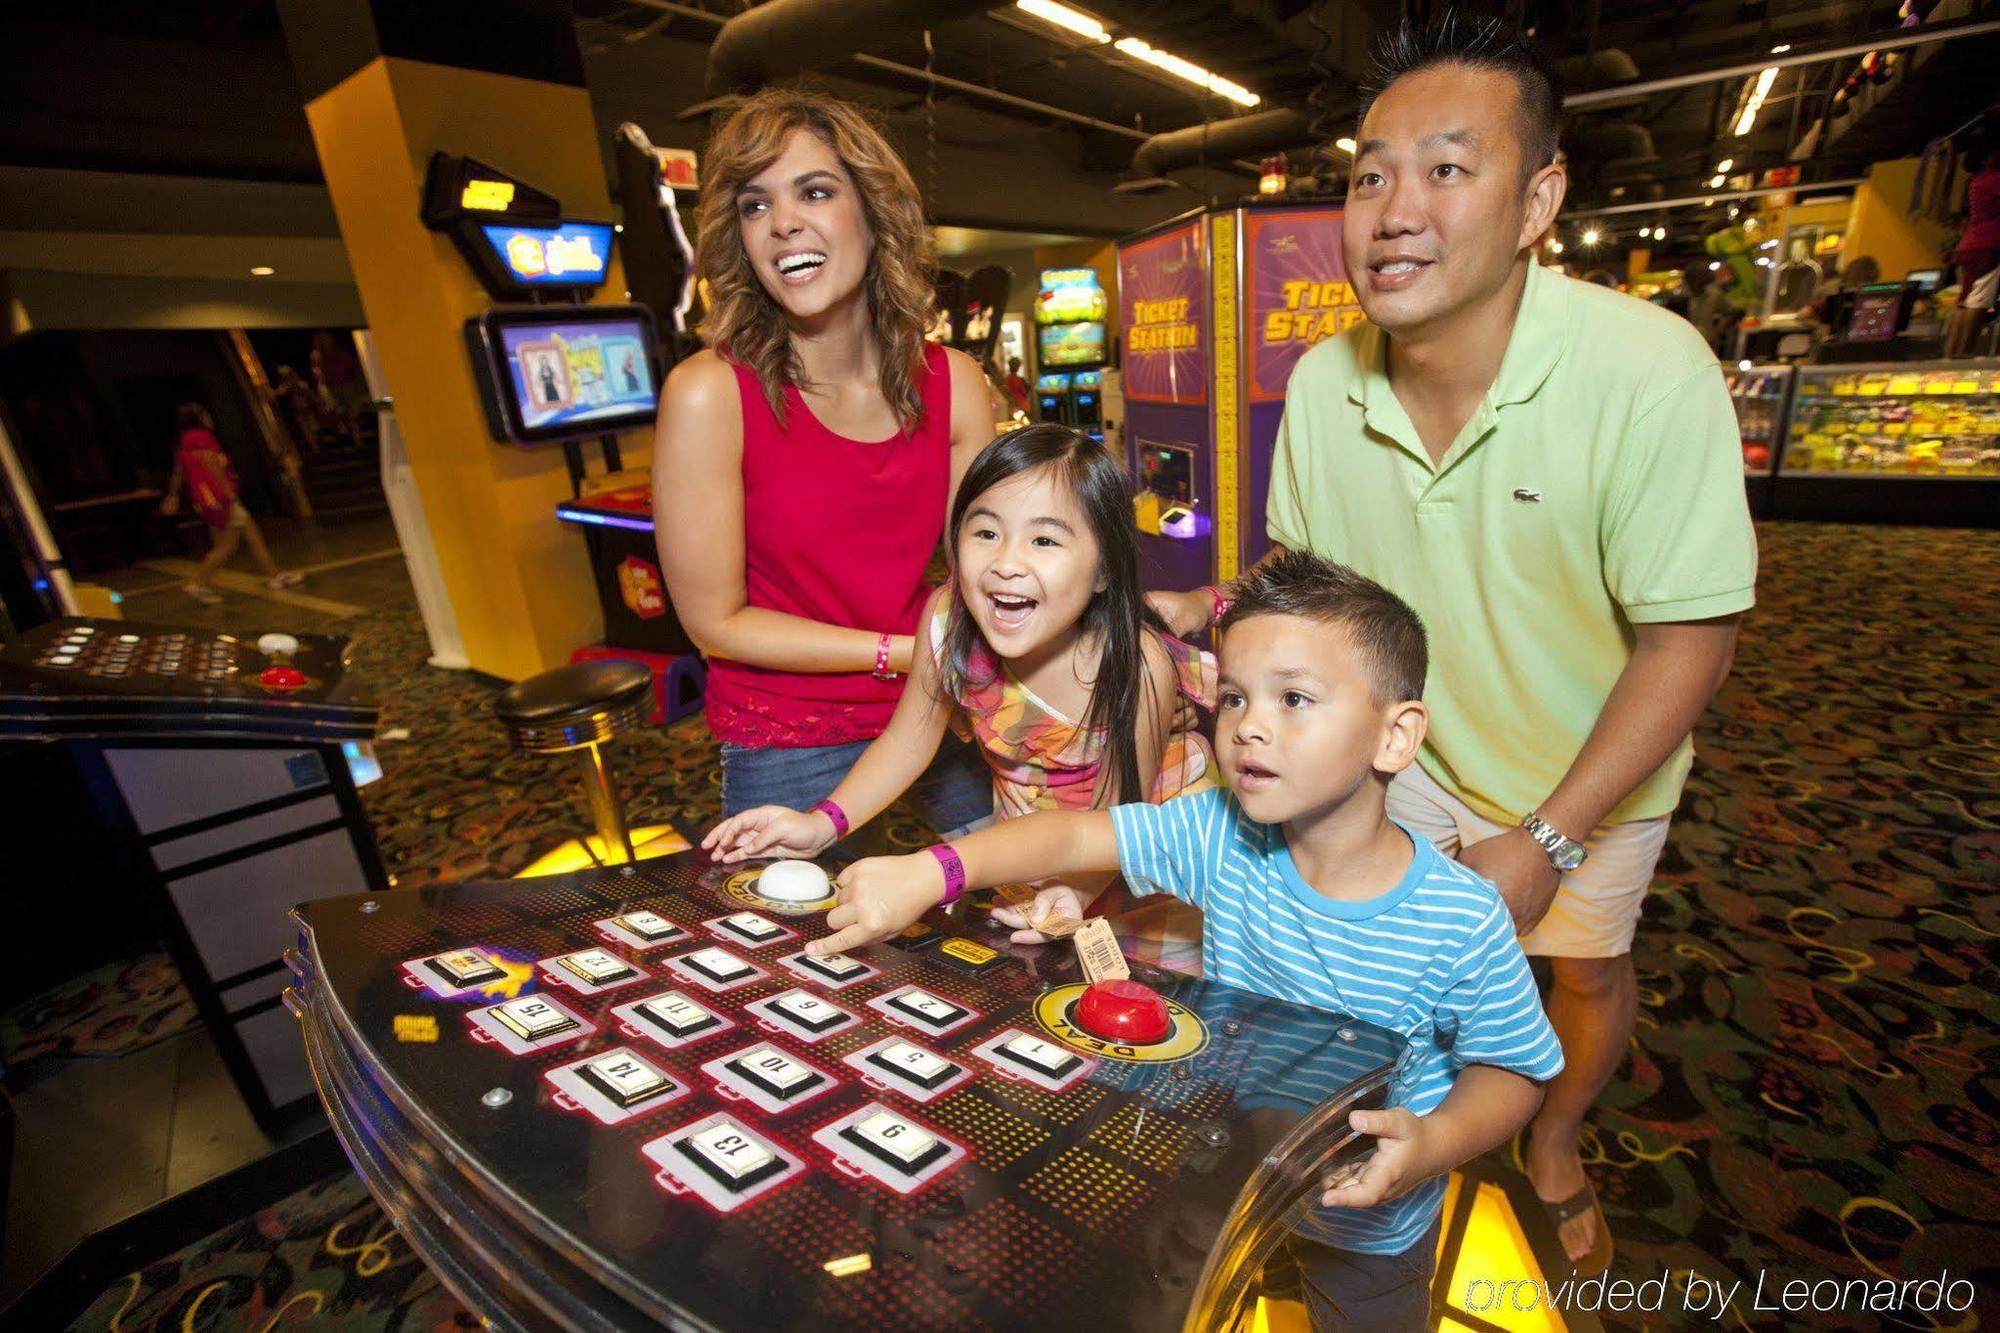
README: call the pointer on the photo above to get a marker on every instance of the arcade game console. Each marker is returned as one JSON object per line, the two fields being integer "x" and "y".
{"x": 628, "y": 1098}
{"x": 222, "y": 774}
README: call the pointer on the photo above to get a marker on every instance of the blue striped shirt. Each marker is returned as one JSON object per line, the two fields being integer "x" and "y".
{"x": 1434, "y": 959}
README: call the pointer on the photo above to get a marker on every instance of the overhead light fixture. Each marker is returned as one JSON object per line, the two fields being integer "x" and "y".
{"x": 1075, "y": 20}
{"x": 1092, "y": 29}
{"x": 1758, "y": 92}
{"x": 1781, "y": 48}
{"x": 1345, "y": 145}
{"x": 1555, "y": 247}
{"x": 1725, "y": 164}
{"x": 1715, "y": 182}
{"x": 1715, "y": 266}
{"x": 262, "y": 271}
{"x": 1186, "y": 69}
{"x": 1590, "y": 237}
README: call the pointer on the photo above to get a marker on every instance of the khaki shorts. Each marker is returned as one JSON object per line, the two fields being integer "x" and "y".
{"x": 1596, "y": 909}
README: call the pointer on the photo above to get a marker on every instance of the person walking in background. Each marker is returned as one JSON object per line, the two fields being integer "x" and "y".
{"x": 1978, "y": 252}
{"x": 210, "y": 478}
{"x": 1017, "y": 388}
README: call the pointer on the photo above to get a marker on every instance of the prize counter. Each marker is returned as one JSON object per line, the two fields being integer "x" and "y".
{"x": 625, "y": 1098}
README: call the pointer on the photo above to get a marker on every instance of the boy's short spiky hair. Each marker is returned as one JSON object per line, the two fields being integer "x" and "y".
{"x": 1388, "y": 632}
{"x": 1478, "y": 43}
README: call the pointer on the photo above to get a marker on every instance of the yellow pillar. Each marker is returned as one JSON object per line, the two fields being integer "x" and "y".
{"x": 519, "y": 582}
{"x": 1882, "y": 226}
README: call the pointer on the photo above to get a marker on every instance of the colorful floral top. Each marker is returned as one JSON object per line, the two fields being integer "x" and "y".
{"x": 1044, "y": 760}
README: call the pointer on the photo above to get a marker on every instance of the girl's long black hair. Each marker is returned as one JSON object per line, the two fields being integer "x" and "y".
{"x": 1118, "y": 618}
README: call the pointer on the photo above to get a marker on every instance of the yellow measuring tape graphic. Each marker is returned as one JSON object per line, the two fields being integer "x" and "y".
{"x": 1228, "y": 392}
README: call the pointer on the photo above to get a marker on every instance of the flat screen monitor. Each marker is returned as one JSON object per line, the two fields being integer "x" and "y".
{"x": 1926, "y": 280}
{"x": 516, "y": 259}
{"x": 1070, "y": 344}
{"x": 553, "y": 373}
{"x": 1880, "y": 311}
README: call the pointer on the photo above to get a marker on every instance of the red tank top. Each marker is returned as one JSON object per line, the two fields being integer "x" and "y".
{"x": 838, "y": 531}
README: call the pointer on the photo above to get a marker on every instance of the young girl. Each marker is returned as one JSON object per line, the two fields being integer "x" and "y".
{"x": 211, "y": 485}
{"x": 1042, "y": 647}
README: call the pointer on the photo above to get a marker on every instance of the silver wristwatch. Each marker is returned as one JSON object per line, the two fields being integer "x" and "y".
{"x": 1565, "y": 854}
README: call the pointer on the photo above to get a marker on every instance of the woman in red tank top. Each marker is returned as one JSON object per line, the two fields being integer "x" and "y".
{"x": 805, "y": 461}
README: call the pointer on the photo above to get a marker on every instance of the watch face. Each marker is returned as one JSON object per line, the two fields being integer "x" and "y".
{"x": 1568, "y": 857}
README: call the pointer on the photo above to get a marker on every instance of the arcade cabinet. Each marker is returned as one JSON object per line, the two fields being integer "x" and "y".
{"x": 1052, "y": 397}
{"x": 559, "y": 372}
{"x": 221, "y": 773}
{"x": 1069, "y": 318}
{"x": 1216, "y": 308}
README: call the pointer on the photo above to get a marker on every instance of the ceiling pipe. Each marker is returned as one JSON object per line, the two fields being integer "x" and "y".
{"x": 781, "y": 38}
{"x": 1218, "y": 141}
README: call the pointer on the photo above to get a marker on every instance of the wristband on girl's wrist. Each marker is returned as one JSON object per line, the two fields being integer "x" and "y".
{"x": 836, "y": 814}
{"x": 1218, "y": 605}
{"x": 882, "y": 671}
{"x": 954, "y": 871}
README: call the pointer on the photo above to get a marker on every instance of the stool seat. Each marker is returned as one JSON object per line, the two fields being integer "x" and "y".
{"x": 575, "y": 705}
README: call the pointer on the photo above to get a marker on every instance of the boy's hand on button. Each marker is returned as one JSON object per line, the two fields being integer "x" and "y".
{"x": 878, "y": 897}
{"x": 1391, "y": 1171}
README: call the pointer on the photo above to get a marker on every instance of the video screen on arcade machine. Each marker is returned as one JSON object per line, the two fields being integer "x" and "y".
{"x": 559, "y": 374}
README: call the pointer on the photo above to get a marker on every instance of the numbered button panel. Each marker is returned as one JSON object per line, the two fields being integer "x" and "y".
{"x": 670, "y": 1019}
{"x": 528, "y": 1023}
{"x": 748, "y": 928}
{"x": 834, "y": 971}
{"x": 716, "y": 969}
{"x": 641, "y": 930}
{"x": 721, "y": 1161}
{"x": 768, "y": 1078}
{"x": 589, "y": 971}
{"x": 881, "y": 1143}
{"x": 453, "y": 972}
{"x": 800, "y": 1013}
{"x": 615, "y": 1085}
{"x": 900, "y": 1064}
{"x": 1033, "y": 1058}
{"x": 915, "y": 1007}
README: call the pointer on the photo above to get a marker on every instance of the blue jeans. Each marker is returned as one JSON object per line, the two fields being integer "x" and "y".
{"x": 1386, "y": 1292}
{"x": 954, "y": 792}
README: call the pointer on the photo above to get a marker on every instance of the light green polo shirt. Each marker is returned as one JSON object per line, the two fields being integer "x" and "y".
{"x": 1599, "y": 485}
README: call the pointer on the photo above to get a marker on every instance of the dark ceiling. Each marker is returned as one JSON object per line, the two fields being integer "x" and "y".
{"x": 205, "y": 89}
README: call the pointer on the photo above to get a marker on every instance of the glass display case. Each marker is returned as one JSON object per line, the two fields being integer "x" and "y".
{"x": 1903, "y": 442}
{"x": 1759, "y": 393}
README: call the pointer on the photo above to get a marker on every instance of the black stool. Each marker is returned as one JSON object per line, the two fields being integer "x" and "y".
{"x": 579, "y": 707}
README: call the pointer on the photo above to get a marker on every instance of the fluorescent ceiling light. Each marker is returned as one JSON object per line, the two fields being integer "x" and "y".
{"x": 1725, "y": 164}
{"x": 1758, "y": 92}
{"x": 1715, "y": 182}
{"x": 1781, "y": 48}
{"x": 1345, "y": 145}
{"x": 1092, "y": 29}
{"x": 1188, "y": 70}
{"x": 262, "y": 271}
{"x": 1078, "y": 22}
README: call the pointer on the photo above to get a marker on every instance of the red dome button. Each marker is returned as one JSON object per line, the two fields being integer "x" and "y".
{"x": 1123, "y": 1011}
{"x": 281, "y": 678}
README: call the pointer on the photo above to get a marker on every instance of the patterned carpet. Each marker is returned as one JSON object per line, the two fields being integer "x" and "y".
{"x": 1815, "y": 1085}
{"x": 117, "y": 1009}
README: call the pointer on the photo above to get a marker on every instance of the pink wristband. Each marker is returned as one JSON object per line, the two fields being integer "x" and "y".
{"x": 954, "y": 871}
{"x": 1218, "y": 604}
{"x": 836, "y": 814}
{"x": 882, "y": 671}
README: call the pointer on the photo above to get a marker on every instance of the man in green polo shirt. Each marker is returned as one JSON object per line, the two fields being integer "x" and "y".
{"x": 1549, "y": 472}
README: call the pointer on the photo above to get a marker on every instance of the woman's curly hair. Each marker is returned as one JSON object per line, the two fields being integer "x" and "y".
{"x": 744, "y": 324}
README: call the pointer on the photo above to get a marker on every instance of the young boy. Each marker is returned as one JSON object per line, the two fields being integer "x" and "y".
{"x": 1309, "y": 894}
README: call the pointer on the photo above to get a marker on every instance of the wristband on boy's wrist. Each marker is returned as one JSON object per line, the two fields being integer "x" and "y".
{"x": 1218, "y": 605}
{"x": 836, "y": 814}
{"x": 882, "y": 671}
{"x": 954, "y": 871}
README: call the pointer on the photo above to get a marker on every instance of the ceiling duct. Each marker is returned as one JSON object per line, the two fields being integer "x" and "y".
{"x": 785, "y": 37}
{"x": 1218, "y": 141}
{"x": 1611, "y": 144}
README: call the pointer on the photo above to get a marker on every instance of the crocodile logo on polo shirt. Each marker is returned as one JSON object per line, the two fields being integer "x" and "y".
{"x": 1527, "y": 495}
